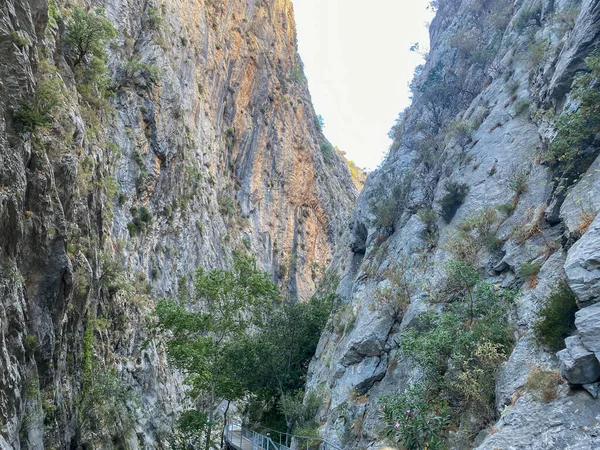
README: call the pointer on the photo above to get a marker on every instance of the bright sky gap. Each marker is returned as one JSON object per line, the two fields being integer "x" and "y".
{"x": 358, "y": 63}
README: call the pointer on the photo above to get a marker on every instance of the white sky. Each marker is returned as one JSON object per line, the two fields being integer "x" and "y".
{"x": 358, "y": 64}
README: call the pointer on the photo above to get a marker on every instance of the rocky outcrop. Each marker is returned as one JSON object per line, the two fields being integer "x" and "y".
{"x": 479, "y": 124}
{"x": 583, "y": 265}
{"x": 207, "y": 143}
{"x": 578, "y": 364}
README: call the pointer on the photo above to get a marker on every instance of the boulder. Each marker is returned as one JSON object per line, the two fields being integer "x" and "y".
{"x": 583, "y": 266}
{"x": 587, "y": 321}
{"x": 577, "y": 364}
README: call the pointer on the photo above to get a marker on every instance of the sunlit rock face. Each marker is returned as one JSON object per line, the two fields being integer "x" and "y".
{"x": 208, "y": 143}
{"x": 504, "y": 65}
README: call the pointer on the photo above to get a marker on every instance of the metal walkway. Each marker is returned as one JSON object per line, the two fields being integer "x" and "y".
{"x": 240, "y": 438}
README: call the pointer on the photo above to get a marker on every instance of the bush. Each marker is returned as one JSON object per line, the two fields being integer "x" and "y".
{"x": 557, "y": 317}
{"x": 529, "y": 270}
{"x": 577, "y": 129}
{"x": 415, "y": 420}
{"x": 37, "y": 112}
{"x": 528, "y": 17}
{"x": 517, "y": 181}
{"x": 104, "y": 415}
{"x": 388, "y": 204}
{"x": 453, "y": 199}
{"x": 461, "y": 349}
{"x": 141, "y": 219}
{"x": 135, "y": 70}
{"x": 430, "y": 231}
{"x": 327, "y": 151}
{"x": 155, "y": 19}
{"x": 542, "y": 384}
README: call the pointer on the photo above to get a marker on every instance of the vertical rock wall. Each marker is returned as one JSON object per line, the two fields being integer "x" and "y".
{"x": 208, "y": 144}
{"x": 499, "y": 68}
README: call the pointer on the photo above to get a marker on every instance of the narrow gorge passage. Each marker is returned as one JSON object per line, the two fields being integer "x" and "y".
{"x": 182, "y": 247}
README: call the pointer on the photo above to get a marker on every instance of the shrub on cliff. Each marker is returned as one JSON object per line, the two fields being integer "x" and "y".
{"x": 451, "y": 201}
{"x": 577, "y": 129}
{"x": 388, "y": 199}
{"x": 37, "y": 111}
{"x": 557, "y": 317}
{"x": 327, "y": 151}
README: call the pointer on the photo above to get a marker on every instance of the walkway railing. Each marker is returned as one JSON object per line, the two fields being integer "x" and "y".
{"x": 242, "y": 438}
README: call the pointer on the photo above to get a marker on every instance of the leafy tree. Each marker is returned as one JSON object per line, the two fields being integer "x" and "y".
{"x": 275, "y": 359}
{"x": 227, "y": 305}
{"x": 87, "y": 34}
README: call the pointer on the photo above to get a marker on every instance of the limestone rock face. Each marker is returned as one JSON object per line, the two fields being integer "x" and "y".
{"x": 495, "y": 134}
{"x": 577, "y": 364}
{"x": 583, "y": 265}
{"x": 587, "y": 321}
{"x": 208, "y": 143}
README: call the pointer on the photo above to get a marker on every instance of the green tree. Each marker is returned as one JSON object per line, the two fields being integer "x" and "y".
{"x": 275, "y": 359}
{"x": 228, "y": 304}
{"x": 87, "y": 35}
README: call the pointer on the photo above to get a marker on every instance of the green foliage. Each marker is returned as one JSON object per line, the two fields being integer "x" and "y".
{"x": 320, "y": 122}
{"x": 141, "y": 218}
{"x": 528, "y": 270}
{"x": 506, "y": 208}
{"x": 459, "y": 351}
{"x": 227, "y": 305}
{"x": 513, "y": 87}
{"x": 105, "y": 408}
{"x": 518, "y": 181}
{"x": 576, "y": 129}
{"x": 155, "y": 18}
{"x": 460, "y": 130}
{"x": 441, "y": 93}
{"x": 537, "y": 53}
{"x": 327, "y": 151}
{"x": 19, "y": 39}
{"x": 138, "y": 71}
{"x": 453, "y": 199}
{"x": 528, "y": 17}
{"x": 298, "y": 72}
{"x": 414, "y": 419}
{"x": 430, "y": 231}
{"x": 87, "y": 35}
{"x": 522, "y": 107}
{"x": 273, "y": 361}
{"x": 557, "y": 317}
{"x": 227, "y": 204}
{"x": 388, "y": 200}
{"x": 105, "y": 404}
{"x": 38, "y": 111}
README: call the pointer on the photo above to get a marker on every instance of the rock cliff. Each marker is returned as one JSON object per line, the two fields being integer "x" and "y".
{"x": 477, "y": 175}
{"x": 190, "y": 135}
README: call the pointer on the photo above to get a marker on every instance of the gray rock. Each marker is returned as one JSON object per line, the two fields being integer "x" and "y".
{"x": 587, "y": 321}
{"x": 592, "y": 388}
{"x": 577, "y": 364}
{"x": 583, "y": 265}
{"x": 569, "y": 422}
